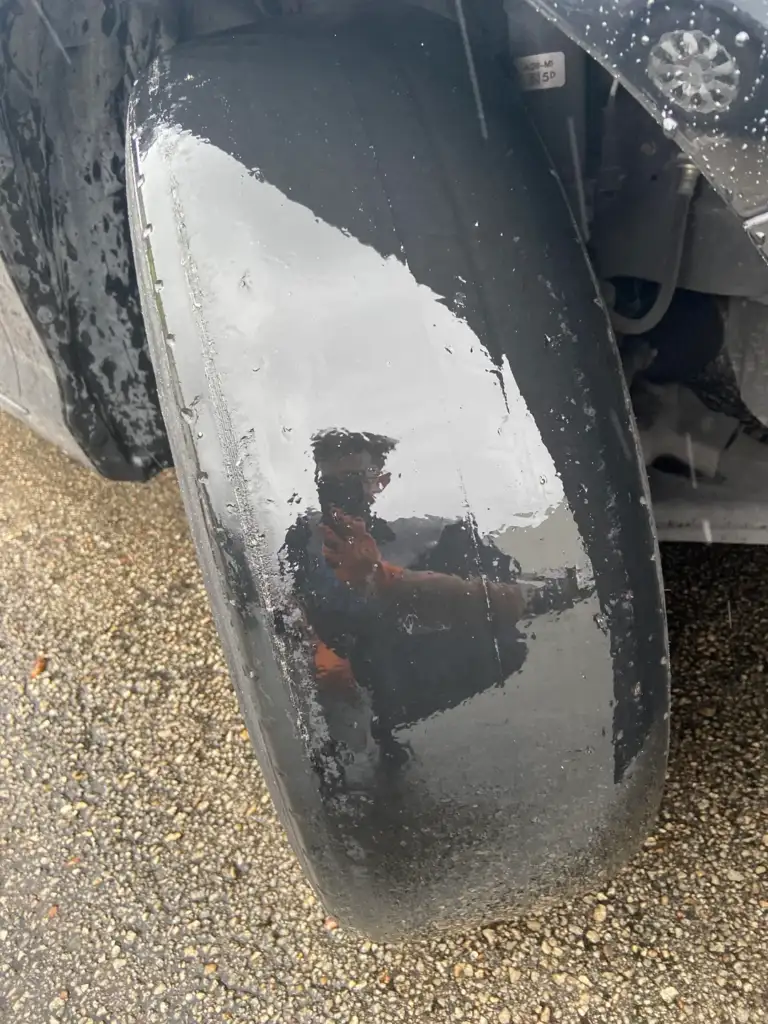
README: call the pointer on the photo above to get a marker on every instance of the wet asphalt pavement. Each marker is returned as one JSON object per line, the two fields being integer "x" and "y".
{"x": 144, "y": 876}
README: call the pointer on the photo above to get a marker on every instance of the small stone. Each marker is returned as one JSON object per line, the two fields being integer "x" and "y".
{"x": 734, "y": 876}
{"x": 330, "y": 924}
{"x": 533, "y": 924}
{"x": 600, "y": 913}
{"x": 592, "y": 936}
{"x": 490, "y": 936}
{"x": 173, "y": 837}
{"x": 505, "y": 1017}
{"x": 463, "y": 971}
{"x": 514, "y": 975}
{"x": 210, "y": 968}
{"x": 742, "y": 1014}
{"x": 669, "y": 994}
{"x": 545, "y": 1015}
{"x": 40, "y": 665}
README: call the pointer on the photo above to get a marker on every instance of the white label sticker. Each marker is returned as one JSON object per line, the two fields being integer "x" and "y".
{"x": 541, "y": 71}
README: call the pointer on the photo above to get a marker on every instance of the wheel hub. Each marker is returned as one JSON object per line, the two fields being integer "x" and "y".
{"x": 694, "y": 71}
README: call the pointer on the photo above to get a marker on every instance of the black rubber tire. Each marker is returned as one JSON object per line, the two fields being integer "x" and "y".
{"x": 370, "y": 136}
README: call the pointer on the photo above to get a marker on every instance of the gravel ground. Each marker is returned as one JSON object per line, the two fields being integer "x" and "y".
{"x": 144, "y": 877}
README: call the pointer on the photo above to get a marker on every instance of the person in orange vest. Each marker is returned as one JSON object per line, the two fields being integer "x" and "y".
{"x": 420, "y": 613}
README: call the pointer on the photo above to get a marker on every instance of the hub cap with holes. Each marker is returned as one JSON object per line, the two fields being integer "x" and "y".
{"x": 694, "y": 71}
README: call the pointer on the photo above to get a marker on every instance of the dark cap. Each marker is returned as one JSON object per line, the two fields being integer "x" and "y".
{"x": 328, "y": 445}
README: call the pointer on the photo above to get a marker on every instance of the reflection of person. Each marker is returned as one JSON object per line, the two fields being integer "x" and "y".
{"x": 420, "y": 613}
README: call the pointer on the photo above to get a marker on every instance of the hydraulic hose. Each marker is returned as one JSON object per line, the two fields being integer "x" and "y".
{"x": 689, "y": 177}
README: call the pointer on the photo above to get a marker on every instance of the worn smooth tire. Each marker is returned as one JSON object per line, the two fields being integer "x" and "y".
{"x": 335, "y": 229}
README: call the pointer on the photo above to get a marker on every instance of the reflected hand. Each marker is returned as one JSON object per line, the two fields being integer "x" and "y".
{"x": 350, "y": 550}
{"x": 332, "y": 671}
